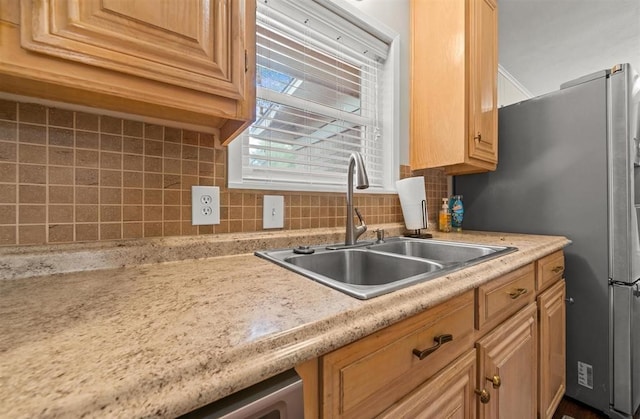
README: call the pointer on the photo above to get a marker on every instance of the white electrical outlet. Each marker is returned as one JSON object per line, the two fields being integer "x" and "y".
{"x": 205, "y": 205}
{"x": 273, "y": 211}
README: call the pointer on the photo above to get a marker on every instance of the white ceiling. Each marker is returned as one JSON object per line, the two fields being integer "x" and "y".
{"x": 543, "y": 43}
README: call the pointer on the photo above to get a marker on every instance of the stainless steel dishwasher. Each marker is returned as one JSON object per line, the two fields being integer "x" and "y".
{"x": 278, "y": 397}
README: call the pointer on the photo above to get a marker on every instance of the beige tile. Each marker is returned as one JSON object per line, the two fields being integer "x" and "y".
{"x": 86, "y": 232}
{"x": 86, "y": 139}
{"x": 172, "y": 166}
{"x": 132, "y": 162}
{"x": 132, "y": 128}
{"x": 87, "y": 121}
{"x": 132, "y": 196}
{"x": 8, "y": 110}
{"x": 109, "y": 142}
{"x": 173, "y": 135}
{"x": 59, "y": 156}
{"x": 207, "y": 140}
{"x": 152, "y": 213}
{"x": 205, "y": 169}
{"x": 152, "y": 148}
{"x": 132, "y": 230}
{"x": 60, "y": 233}
{"x": 132, "y": 213}
{"x": 153, "y": 196}
{"x": 249, "y": 225}
{"x": 8, "y": 152}
{"x": 188, "y": 229}
{"x": 88, "y": 177}
{"x": 189, "y": 152}
{"x": 206, "y": 155}
{"x": 110, "y": 160}
{"x": 189, "y": 167}
{"x": 28, "y": 173}
{"x": 111, "y": 196}
{"x": 110, "y": 178}
{"x": 86, "y": 195}
{"x": 8, "y": 172}
{"x": 60, "y": 137}
{"x": 152, "y": 181}
{"x": 132, "y": 179}
{"x": 172, "y": 150}
{"x": 61, "y": 117}
{"x": 205, "y": 181}
{"x": 61, "y": 175}
{"x": 60, "y": 214}
{"x": 86, "y": 214}
{"x": 171, "y": 213}
{"x": 171, "y": 197}
{"x": 31, "y": 154}
{"x": 32, "y": 234}
{"x": 110, "y": 213}
{"x": 190, "y": 137}
{"x": 32, "y": 194}
{"x": 33, "y": 134}
{"x": 248, "y": 213}
{"x": 154, "y": 132}
{"x": 31, "y": 112}
{"x": 110, "y": 125}
{"x": 8, "y": 194}
{"x": 172, "y": 181}
{"x": 152, "y": 164}
{"x": 8, "y": 131}
{"x": 87, "y": 158}
{"x": 32, "y": 214}
{"x": 7, "y": 214}
{"x": 153, "y": 229}
{"x": 61, "y": 194}
{"x": 205, "y": 229}
{"x": 8, "y": 235}
{"x": 171, "y": 229}
{"x": 133, "y": 145}
{"x": 110, "y": 231}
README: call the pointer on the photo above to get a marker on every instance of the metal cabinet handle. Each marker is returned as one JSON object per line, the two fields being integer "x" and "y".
{"x": 517, "y": 293}
{"x": 484, "y": 395}
{"x": 478, "y": 138}
{"x": 440, "y": 340}
{"x": 495, "y": 381}
{"x": 557, "y": 269}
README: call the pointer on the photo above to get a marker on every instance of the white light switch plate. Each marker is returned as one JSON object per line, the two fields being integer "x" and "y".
{"x": 205, "y": 205}
{"x": 273, "y": 212}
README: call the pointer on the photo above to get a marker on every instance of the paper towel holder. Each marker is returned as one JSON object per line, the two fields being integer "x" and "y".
{"x": 417, "y": 234}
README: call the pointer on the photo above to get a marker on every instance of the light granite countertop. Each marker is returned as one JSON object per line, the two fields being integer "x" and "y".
{"x": 161, "y": 339}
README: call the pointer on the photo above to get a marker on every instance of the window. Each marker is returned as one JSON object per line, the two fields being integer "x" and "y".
{"x": 322, "y": 80}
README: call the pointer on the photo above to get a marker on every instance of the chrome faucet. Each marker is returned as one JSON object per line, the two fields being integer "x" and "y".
{"x": 362, "y": 182}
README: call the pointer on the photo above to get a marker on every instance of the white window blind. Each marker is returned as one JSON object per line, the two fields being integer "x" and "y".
{"x": 319, "y": 80}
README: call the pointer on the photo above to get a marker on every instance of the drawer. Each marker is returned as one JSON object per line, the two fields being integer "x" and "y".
{"x": 549, "y": 269}
{"x": 366, "y": 377}
{"x": 500, "y": 298}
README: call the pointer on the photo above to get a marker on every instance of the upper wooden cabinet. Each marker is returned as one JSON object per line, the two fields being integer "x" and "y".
{"x": 190, "y": 61}
{"x": 454, "y": 67}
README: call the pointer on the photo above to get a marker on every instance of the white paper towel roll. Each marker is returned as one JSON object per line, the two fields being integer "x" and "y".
{"x": 412, "y": 195}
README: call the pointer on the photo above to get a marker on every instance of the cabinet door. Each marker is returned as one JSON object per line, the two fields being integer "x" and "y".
{"x": 507, "y": 368}
{"x": 483, "y": 131}
{"x": 447, "y": 395}
{"x": 552, "y": 330}
{"x": 188, "y": 43}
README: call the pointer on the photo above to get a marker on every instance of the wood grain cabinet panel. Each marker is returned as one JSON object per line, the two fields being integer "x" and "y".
{"x": 454, "y": 67}
{"x": 190, "y": 61}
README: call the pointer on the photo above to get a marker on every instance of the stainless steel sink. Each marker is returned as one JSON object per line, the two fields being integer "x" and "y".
{"x": 442, "y": 251}
{"x": 382, "y": 268}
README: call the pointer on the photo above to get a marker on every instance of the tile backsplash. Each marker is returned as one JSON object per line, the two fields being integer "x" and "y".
{"x": 69, "y": 176}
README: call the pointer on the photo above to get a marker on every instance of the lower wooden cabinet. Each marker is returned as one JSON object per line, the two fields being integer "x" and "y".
{"x": 507, "y": 370}
{"x": 552, "y": 350}
{"x": 450, "y": 394}
{"x": 436, "y": 364}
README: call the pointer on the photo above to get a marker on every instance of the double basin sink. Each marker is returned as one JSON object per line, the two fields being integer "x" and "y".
{"x": 375, "y": 269}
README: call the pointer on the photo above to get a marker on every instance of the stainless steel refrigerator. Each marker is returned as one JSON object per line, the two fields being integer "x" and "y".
{"x": 568, "y": 164}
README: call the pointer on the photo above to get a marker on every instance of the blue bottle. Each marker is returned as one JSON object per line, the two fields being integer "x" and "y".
{"x": 457, "y": 212}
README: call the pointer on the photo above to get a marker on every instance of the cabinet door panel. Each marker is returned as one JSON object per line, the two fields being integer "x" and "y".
{"x": 483, "y": 140}
{"x": 510, "y": 353}
{"x": 184, "y": 43}
{"x": 551, "y": 375}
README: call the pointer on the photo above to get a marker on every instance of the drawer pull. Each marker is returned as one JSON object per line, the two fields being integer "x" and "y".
{"x": 484, "y": 395}
{"x": 439, "y": 340}
{"x": 495, "y": 381}
{"x": 517, "y": 293}
{"x": 557, "y": 269}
